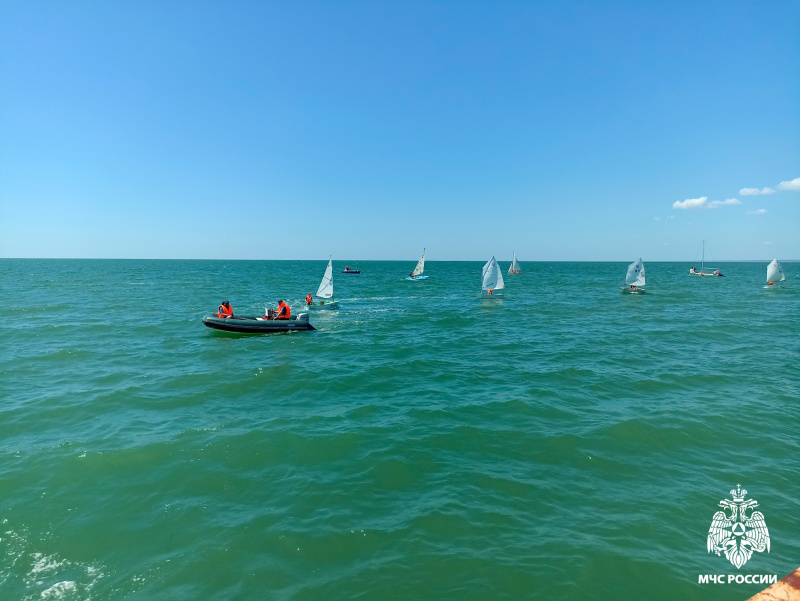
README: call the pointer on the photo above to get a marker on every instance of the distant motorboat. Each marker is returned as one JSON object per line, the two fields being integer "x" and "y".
{"x": 775, "y": 273}
{"x": 348, "y": 270}
{"x": 325, "y": 291}
{"x": 634, "y": 278}
{"x": 417, "y": 274}
{"x": 492, "y": 283}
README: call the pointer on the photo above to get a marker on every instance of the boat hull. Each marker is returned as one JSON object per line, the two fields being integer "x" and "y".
{"x": 351, "y": 271}
{"x": 493, "y": 296}
{"x": 419, "y": 277}
{"x": 627, "y": 290}
{"x": 258, "y": 325}
{"x": 322, "y": 306}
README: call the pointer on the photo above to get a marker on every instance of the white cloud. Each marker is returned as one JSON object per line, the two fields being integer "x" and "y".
{"x": 728, "y": 201}
{"x": 702, "y": 203}
{"x": 756, "y": 191}
{"x": 791, "y": 185}
{"x": 757, "y": 212}
{"x": 690, "y": 203}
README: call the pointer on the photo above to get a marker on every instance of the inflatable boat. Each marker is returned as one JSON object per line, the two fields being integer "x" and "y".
{"x": 258, "y": 325}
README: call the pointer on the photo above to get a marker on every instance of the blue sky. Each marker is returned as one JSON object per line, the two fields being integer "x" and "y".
{"x": 367, "y": 130}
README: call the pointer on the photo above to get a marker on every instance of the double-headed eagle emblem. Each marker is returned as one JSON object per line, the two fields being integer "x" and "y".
{"x": 738, "y": 534}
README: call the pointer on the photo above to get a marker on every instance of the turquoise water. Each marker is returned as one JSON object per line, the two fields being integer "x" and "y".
{"x": 567, "y": 442}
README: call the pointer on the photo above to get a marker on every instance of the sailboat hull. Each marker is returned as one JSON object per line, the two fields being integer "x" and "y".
{"x": 322, "y": 306}
{"x": 419, "y": 277}
{"x": 627, "y": 290}
{"x": 496, "y": 295}
{"x": 258, "y": 325}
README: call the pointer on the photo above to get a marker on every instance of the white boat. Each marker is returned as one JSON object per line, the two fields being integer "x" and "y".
{"x": 711, "y": 271}
{"x": 514, "y": 269}
{"x": 634, "y": 279}
{"x": 775, "y": 273}
{"x": 492, "y": 280}
{"x": 325, "y": 291}
{"x": 417, "y": 274}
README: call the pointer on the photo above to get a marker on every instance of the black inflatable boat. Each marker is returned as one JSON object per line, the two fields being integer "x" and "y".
{"x": 258, "y": 325}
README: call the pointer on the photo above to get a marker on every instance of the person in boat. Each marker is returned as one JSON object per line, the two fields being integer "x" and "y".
{"x": 633, "y": 287}
{"x": 412, "y": 276}
{"x": 717, "y": 273}
{"x": 347, "y": 268}
{"x": 225, "y": 310}
{"x": 309, "y": 299}
{"x": 693, "y": 270}
{"x": 284, "y": 311}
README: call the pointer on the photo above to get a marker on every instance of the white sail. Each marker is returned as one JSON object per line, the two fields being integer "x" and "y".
{"x": 492, "y": 276}
{"x": 514, "y": 267}
{"x": 635, "y": 275}
{"x": 420, "y": 268}
{"x": 326, "y": 286}
{"x": 775, "y": 272}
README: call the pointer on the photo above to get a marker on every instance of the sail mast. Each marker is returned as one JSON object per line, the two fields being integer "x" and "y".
{"x": 420, "y": 267}
{"x": 325, "y": 289}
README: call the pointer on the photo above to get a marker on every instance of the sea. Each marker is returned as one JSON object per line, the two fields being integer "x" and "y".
{"x": 566, "y": 442}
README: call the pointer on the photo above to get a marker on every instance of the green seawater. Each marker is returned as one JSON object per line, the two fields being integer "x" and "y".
{"x": 567, "y": 442}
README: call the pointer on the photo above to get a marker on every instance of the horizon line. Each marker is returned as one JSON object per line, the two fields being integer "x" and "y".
{"x": 383, "y": 260}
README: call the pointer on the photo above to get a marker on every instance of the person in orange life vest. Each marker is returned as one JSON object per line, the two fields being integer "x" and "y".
{"x": 225, "y": 310}
{"x": 309, "y": 299}
{"x": 284, "y": 311}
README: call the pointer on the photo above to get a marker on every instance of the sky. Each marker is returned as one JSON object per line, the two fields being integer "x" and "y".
{"x": 368, "y": 130}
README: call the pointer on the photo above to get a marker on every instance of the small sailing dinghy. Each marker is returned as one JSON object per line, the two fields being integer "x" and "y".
{"x": 417, "y": 274}
{"x": 775, "y": 273}
{"x": 711, "y": 271}
{"x": 325, "y": 291}
{"x": 492, "y": 281}
{"x": 258, "y": 325}
{"x": 634, "y": 279}
{"x": 514, "y": 267}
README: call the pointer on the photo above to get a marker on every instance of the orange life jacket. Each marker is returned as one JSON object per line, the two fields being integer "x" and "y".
{"x": 309, "y": 299}
{"x": 224, "y": 311}
{"x": 284, "y": 311}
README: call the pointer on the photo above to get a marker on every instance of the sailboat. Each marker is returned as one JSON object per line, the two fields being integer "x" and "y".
{"x": 514, "y": 269}
{"x": 492, "y": 280}
{"x": 419, "y": 269}
{"x": 634, "y": 279}
{"x": 325, "y": 291}
{"x": 775, "y": 273}
{"x": 713, "y": 272}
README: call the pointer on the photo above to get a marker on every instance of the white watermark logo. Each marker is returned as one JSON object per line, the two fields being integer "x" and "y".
{"x": 738, "y": 534}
